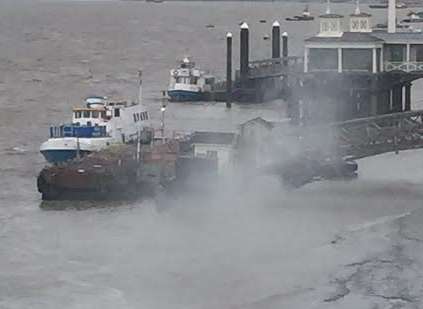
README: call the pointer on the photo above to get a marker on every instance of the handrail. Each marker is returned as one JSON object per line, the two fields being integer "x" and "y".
{"x": 275, "y": 60}
{"x": 410, "y": 66}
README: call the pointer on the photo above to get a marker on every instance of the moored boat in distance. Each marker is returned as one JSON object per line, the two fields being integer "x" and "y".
{"x": 384, "y": 5}
{"x": 188, "y": 83}
{"x": 95, "y": 126}
{"x": 413, "y": 18}
{"x": 305, "y": 16}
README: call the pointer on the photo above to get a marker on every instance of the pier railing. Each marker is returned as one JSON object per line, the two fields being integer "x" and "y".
{"x": 273, "y": 67}
{"x": 403, "y": 66}
{"x": 360, "y": 137}
{"x": 373, "y": 135}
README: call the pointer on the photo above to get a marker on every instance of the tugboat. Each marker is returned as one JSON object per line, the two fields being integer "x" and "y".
{"x": 98, "y": 125}
{"x": 384, "y": 5}
{"x": 305, "y": 16}
{"x": 188, "y": 83}
{"x": 413, "y": 18}
{"x": 383, "y": 27}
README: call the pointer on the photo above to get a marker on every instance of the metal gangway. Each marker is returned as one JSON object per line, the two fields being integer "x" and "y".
{"x": 364, "y": 137}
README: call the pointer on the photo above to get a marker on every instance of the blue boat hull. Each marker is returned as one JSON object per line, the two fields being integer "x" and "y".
{"x": 58, "y": 156}
{"x": 183, "y": 95}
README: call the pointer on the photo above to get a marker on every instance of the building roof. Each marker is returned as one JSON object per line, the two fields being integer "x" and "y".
{"x": 216, "y": 138}
{"x": 362, "y": 14}
{"x": 348, "y": 37}
{"x": 399, "y": 37}
{"x": 331, "y": 15}
{"x": 260, "y": 120}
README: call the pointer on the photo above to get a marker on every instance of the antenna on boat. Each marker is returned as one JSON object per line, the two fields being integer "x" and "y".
{"x": 78, "y": 148}
{"x": 163, "y": 110}
{"x": 138, "y": 146}
{"x": 140, "y": 87}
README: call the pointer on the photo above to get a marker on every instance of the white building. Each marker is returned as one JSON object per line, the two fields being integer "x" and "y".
{"x": 359, "y": 49}
{"x": 215, "y": 144}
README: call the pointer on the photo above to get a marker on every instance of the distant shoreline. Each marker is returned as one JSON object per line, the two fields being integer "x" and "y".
{"x": 414, "y": 3}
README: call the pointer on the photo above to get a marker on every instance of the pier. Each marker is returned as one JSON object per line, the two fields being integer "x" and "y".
{"x": 347, "y": 71}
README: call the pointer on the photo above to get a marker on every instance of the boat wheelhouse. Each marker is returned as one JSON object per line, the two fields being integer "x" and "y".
{"x": 95, "y": 126}
{"x": 188, "y": 83}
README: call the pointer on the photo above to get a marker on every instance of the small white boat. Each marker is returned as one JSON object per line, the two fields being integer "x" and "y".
{"x": 95, "y": 126}
{"x": 305, "y": 16}
{"x": 188, "y": 83}
{"x": 413, "y": 18}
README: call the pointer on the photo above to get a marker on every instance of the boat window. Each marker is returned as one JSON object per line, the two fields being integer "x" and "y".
{"x": 77, "y": 114}
{"x": 95, "y": 114}
{"x": 183, "y": 80}
{"x": 194, "y": 80}
{"x": 117, "y": 112}
{"x": 89, "y": 124}
{"x": 146, "y": 115}
{"x": 86, "y": 114}
{"x": 211, "y": 154}
{"x": 103, "y": 114}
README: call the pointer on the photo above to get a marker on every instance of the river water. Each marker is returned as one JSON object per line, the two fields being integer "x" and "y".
{"x": 252, "y": 245}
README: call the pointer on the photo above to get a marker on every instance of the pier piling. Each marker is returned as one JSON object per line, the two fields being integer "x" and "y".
{"x": 285, "y": 47}
{"x": 407, "y": 105}
{"x": 397, "y": 99}
{"x": 228, "y": 70}
{"x": 276, "y": 40}
{"x": 244, "y": 53}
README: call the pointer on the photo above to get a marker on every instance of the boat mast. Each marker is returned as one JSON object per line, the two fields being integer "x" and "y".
{"x": 140, "y": 87}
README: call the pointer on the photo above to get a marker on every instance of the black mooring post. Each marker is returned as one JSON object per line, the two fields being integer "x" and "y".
{"x": 244, "y": 51}
{"x": 276, "y": 40}
{"x": 407, "y": 105}
{"x": 397, "y": 99}
{"x": 228, "y": 70}
{"x": 285, "y": 47}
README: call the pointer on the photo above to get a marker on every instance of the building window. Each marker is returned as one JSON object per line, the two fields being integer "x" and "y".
{"x": 416, "y": 53}
{"x": 117, "y": 112}
{"x": 357, "y": 59}
{"x": 211, "y": 154}
{"x": 333, "y": 26}
{"x": 324, "y": 27}
{"x": 395, "y": 52}
{"x": 323, "y": 59}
